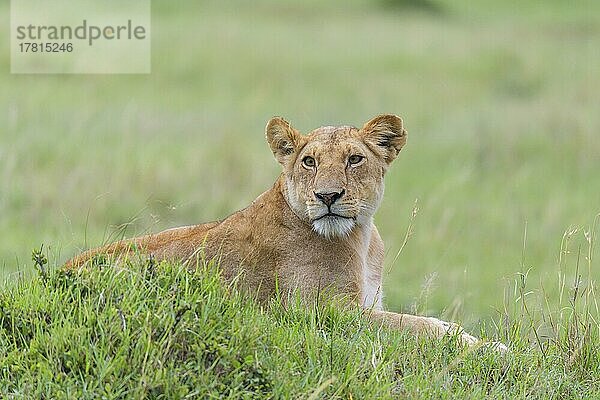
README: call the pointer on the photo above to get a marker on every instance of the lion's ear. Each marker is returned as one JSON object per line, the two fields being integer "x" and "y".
{"x": 282, "y": 138}
{"x": 385, "y": 135}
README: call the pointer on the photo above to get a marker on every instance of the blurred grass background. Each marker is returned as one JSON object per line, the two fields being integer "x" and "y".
{"x": 501, "y": 101}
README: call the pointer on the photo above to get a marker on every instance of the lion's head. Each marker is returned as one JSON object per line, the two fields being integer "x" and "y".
{"x": 334, "y": 175}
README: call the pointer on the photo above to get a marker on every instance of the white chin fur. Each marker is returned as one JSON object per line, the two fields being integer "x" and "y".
{"x": 331, "y": 227}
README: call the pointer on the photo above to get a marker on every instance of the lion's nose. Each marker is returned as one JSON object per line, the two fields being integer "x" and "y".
{"x": 328, "y": 198}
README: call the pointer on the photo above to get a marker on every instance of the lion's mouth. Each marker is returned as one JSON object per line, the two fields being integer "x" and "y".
{"x": 334, "y": 215}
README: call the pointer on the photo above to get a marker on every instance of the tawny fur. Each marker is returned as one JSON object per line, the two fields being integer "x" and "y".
{"x": 282, "y": 241}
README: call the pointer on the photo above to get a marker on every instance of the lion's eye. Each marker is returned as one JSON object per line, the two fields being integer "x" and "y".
{"x": 355, "y": 159}
{"x": 308, "y": 161}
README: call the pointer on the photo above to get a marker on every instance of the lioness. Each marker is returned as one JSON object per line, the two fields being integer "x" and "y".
{"x": 312, "y": 231}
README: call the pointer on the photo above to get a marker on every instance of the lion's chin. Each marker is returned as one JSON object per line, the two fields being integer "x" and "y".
{"x": 332, "y": 226}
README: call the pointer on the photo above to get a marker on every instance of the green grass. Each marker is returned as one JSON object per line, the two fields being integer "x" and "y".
{"x": 160, "y": 331}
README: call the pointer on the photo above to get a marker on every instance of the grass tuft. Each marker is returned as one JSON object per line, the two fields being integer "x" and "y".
{"x": 161, "y": 331}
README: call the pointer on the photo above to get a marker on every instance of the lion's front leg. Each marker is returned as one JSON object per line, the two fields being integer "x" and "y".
{"x": 428, "y": 326}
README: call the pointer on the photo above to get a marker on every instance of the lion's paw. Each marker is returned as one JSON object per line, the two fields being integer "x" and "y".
{"x": 448, "y": 328}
